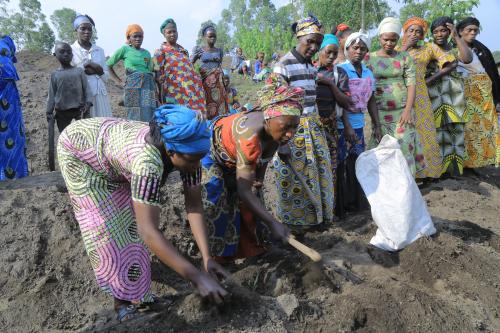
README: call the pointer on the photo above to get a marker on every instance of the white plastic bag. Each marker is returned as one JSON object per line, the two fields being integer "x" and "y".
{"x": 397, "y": 206}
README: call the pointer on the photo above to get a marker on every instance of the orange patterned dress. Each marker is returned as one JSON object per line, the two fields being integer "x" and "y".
{"x": 424, "y": 115}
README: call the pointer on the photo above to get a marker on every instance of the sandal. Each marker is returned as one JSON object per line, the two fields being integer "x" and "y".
{"x": 127, "y": 312}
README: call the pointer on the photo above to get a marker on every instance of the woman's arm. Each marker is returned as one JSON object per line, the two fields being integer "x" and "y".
{"x": 410, "y": 100}
{"x": 245, "y": 180}
{"x": 447, "y": 69}
{"x": 114, "y": 76}
{"x": 373, "y": 111}
{"x": 147, "y": 225}
{"x": 464, "y": 52}
{"x": 194, "y": 209}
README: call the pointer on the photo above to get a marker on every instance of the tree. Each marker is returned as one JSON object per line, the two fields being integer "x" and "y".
{"x": 432, "y": 9}
{"x": 333, "y": 12}
{"x": 28, "y": 27}
{"x": 62, "y": 19}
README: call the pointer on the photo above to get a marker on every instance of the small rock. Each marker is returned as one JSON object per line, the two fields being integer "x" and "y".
{"x": 288, "y": 303}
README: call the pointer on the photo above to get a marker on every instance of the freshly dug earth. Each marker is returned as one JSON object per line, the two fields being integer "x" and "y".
{"x": 447, "y": 283}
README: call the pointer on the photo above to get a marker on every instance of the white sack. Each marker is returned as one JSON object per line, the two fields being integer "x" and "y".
{"x": 397, "y": 206}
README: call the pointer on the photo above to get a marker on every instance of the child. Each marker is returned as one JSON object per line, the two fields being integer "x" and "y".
{"x": 69, "y": 94}
{"x": 139, "y": 89}
{"x": 232, "y": 93}
{"x": 350, "y": 127}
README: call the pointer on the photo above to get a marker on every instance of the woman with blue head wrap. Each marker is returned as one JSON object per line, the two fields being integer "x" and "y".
{"x": 325, "y": 96}
{"x": 113, "y": 169}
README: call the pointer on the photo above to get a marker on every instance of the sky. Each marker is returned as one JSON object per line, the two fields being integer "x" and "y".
{"x": 113, "y": 16}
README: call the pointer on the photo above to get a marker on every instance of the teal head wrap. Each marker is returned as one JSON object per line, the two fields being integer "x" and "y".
{"x": 167, "y": 22}
{"x": 329, "y": 39}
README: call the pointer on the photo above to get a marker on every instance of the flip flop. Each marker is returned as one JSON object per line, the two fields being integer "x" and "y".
{"x": 127, "y": 312}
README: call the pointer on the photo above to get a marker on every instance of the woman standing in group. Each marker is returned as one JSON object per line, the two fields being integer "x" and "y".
{"x": 211, "y": 73}
{"x": 394, "y": 73}
{"x": 305, "y": 161}
{"x": 325, "y": 98}
{"x": 415, "y": 30}
{"x": 242, "y": 145}
{"x": 178, "y": 82}
{"x": 140, "y": 89}
{"x": 446, "y": 91}
{"x": 351, "y": 126}
{"x": 92, "y": 59}
{"x": 482, "y": 91}
{"x": 13, "y": 162}
{"x": 113, "y": 169}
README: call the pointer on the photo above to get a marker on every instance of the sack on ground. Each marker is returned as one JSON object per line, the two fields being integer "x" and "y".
{"x": 397, "y": 206}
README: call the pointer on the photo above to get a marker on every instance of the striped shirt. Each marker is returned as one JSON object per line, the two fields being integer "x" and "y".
{"x": 299, "y": 72}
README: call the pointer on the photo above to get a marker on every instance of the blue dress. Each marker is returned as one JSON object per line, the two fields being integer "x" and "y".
{"x": 13, "y": 162}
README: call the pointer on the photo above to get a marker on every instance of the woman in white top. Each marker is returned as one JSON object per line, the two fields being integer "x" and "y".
{"x": 91, "y": 58}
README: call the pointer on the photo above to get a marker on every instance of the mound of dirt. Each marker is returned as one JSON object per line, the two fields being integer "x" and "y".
{"x": 447, "y": 283}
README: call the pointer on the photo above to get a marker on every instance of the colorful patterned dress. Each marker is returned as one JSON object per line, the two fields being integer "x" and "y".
{"x": 233, "y": 230}
{"x": 310, "y": 156}
{"x": 179, "y": 82}
{"x": 482, "y": 124}
{"x": 13, "y": 162}
{"x": 107, "y": 165}
{"x": 393, "y": 76}
{"x": 424, "y": 117}
{"x": 448, "y": 104}
{"x": 211, "y": 74}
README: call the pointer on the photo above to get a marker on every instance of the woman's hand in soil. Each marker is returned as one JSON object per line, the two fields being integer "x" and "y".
{"x": 215, "y": 270}
{"x": 209, "y": 288}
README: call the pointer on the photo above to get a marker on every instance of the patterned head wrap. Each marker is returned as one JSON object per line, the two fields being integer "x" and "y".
{"x": 132, "y": 29}
{"x": 329, "y": 39}
{"x": 357, "y": 37}
{"x": 167, "y": 22}
{"x": 441, "y": 22}
{"x": 277, "y": 99}
{"x": 416, "y": 21}
{"x": 307, "y": 26}
{"x": 183, "y": 130}
{"x": 467, "y": 21}
{"x": 81, "y": 19}
{"x": 389, "y": 24}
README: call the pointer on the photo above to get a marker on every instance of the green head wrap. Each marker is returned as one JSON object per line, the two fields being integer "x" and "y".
{"x": 167, "y": 22}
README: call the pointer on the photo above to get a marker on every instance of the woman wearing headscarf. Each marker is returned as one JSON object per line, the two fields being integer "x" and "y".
{"x": 139, "y": 89}
{"x": 482, "y": 92}
{"x": 325, "y": 98}
{"x": 242, "y": 145}
{"x": 92, "y": 59}
{"x": 446, "y": 91}
{"x": 211, "y": 73}
{"x": 178, "y": 82}
{"x": 13, "y": 161}
{"x": 351, "y": 126}
{"x": 394, "y": 73}
{"x": 305, "y": 161}
{"x": 113, "y": 169}
{"x": 422, "y": 53}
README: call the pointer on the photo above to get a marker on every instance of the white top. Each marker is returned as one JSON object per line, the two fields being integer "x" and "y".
{"x": 81, "y": 56}
{"x": 475, "y": 67}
